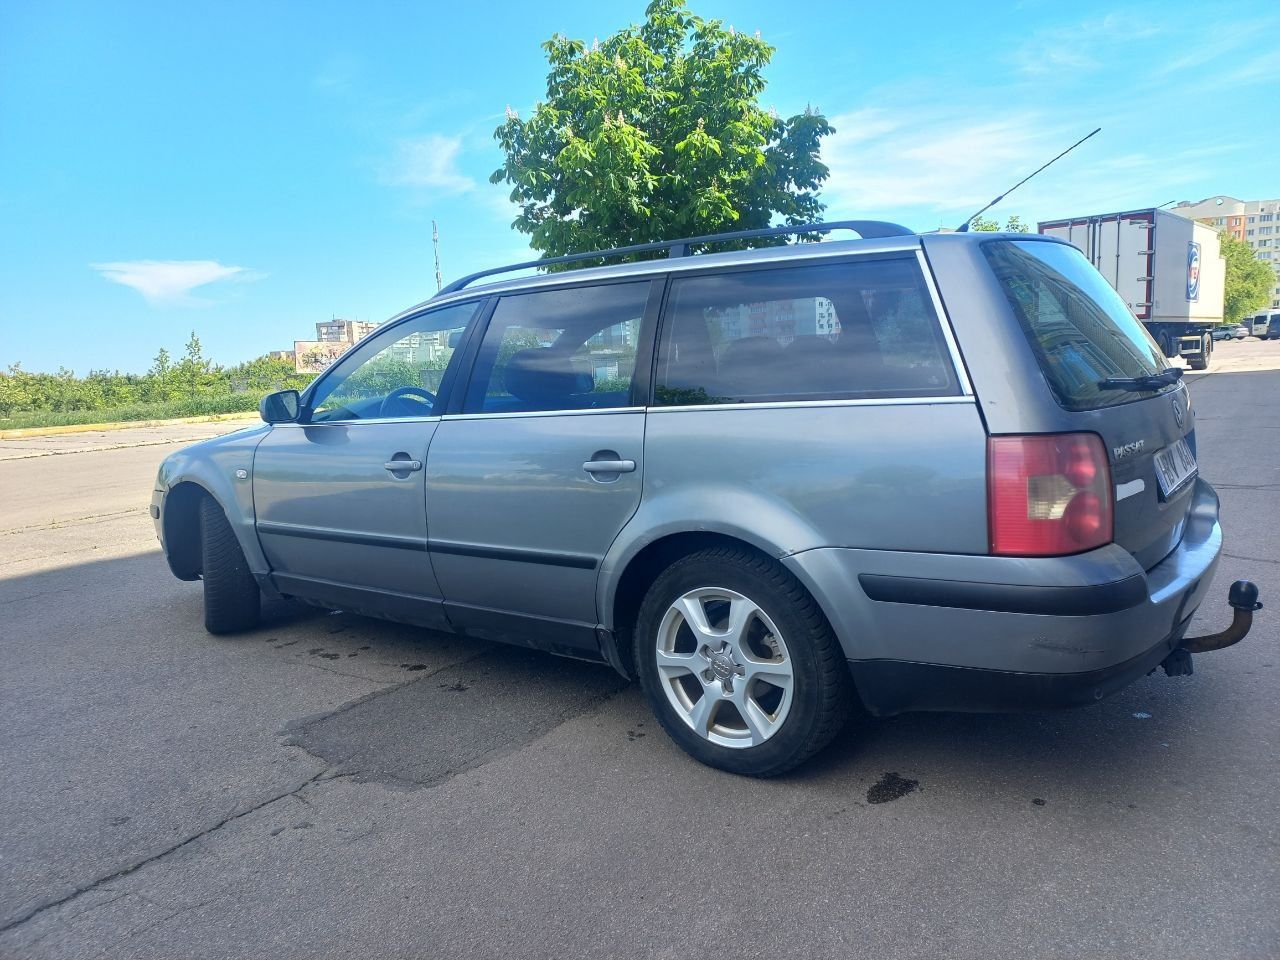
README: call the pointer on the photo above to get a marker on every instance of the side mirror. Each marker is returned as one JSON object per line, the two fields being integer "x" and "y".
{"x": 283, "y": 406}
{"x": 455, "y": 338}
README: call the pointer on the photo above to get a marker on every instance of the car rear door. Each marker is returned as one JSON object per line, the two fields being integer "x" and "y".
{"x": 539, "y": 468}
{"x": 340, "y": 497}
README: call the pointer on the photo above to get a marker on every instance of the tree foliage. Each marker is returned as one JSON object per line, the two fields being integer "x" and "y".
{"x": 1249, "y": 280}
{"x": 654, "y": 133}
{"x": 987, "y": 225}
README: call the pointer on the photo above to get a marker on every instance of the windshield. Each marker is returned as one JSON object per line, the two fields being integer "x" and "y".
{"x": 1081, "y": 331}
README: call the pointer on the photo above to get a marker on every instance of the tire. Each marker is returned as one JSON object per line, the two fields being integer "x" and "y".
{"x": 785, "y": 634}
{"x": 1206, "y": 351}
{"x": 232, "y": 601}
{"x": 1166, "y": 345}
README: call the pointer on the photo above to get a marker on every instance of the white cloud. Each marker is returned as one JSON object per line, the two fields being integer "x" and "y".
{"x": 170, "y": 282}
{"x": 881, "y": 160}
{"x": 1230, "y": 41}
{"x": 336, "y": 73}
{"x": 1082, "y": 47}
{"x": 930, "y": 168}
{"x": 428, "y": 163}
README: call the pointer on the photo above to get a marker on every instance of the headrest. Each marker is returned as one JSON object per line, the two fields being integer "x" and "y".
{"x": 544, "y": 376}
{"x": 749, "y": 365}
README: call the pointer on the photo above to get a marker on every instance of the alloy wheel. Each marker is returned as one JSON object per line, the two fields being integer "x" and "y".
{"x": 724, "y": 667}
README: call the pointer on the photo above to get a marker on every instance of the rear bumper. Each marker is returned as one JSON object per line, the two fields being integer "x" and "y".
{"x": 895, "y": 686}
{"x": 948, "y": 632}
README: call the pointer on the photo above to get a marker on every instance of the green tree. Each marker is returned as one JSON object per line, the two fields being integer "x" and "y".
{"x": 657, "y": 132}
{"x": 1013, "y": 225}
{"x": 158, "y": 383}
{"x": 1249, "y": 280}
{"x": 194, "y": 369}
{"x": 162, "y": 364}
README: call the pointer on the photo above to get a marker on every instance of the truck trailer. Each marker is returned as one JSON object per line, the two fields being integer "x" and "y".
{"x": 1167, "y": 268}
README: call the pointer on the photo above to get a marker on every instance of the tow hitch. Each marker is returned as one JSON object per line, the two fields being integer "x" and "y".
{"x": 1243, "y": 598}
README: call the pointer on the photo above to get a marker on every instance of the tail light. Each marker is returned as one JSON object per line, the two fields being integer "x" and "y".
{"x": 1048, "y": 495}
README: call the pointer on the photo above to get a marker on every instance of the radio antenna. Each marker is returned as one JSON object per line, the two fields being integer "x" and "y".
{"x": 965, "y": 226}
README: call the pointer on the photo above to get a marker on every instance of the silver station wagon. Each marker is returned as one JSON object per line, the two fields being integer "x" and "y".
{"x": 915, "y": 472}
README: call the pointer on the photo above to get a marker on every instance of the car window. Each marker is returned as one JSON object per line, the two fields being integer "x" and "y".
{"x": 847, "y": 330}
{"x": 393, "y": 374}
{"x": 1080, "y": 330}
{"x": 571, "y": 349}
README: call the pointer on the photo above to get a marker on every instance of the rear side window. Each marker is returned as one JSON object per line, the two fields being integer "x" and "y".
{"x": 864, "y": 329}
{"x": 570, "y": 349}
{"x": 1080, "y": 330}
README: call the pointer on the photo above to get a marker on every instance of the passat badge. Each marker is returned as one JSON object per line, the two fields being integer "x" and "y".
{"x": 1128, "y": 449}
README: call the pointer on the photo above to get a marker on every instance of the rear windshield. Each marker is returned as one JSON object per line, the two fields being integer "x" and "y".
{"x": 1081, "y": 331}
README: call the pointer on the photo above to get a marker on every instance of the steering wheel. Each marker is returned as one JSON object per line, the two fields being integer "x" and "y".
{"x": 400, "y": 393}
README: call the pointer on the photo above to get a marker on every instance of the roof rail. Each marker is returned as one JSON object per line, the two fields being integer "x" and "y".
{"x": 867, "y": 229}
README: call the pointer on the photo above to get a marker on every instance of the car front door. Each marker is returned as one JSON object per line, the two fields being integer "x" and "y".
{"x": 340, "y": 496}
{"x": 530, "y": 481}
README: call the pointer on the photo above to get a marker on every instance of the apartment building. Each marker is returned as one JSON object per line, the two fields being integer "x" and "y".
{"x": 1256, "y": 222}
{"x": 333, "y": 338}
{"x": 343, "y": 331}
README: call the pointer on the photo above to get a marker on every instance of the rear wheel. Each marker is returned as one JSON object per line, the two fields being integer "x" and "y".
{"x": 232, "y": 601}
{"x": 1206, "y": 351}
{"x": 739, "y": 664}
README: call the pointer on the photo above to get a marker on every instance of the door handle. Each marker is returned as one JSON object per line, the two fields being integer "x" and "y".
{"x": 403, "y": 466}
{"x": 609, "y": 466}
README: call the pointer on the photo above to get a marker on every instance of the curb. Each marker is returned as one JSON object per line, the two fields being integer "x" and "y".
{"x": 17, "y": 433}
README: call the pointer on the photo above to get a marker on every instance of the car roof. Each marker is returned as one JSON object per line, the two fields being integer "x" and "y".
{"x": 642, "y": 269}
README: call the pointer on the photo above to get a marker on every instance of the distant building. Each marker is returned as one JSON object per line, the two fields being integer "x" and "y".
{"x": 314, "y": 356}
{"x": 333, "y": 339}
{"x": 1256, "y": 222}
{"x": 780, "y": 320}
{"x": 282, "y": 355}
{"x": 344, "y": 331}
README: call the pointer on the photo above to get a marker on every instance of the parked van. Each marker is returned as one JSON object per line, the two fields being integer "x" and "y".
{"x": 1265, "y": 326}
{"x": 939, "y": 472}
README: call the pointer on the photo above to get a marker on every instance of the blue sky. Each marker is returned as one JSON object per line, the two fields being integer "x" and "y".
{"x": 245, "y": 169}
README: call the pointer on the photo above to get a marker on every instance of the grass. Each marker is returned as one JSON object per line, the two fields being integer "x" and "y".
{"x": 165, "y": 410}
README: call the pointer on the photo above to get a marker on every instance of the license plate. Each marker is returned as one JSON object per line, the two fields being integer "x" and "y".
{"x": 1175, "y": 466}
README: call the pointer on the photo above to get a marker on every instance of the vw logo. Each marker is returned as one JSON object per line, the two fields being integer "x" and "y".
{"x": 1177, "y": 409}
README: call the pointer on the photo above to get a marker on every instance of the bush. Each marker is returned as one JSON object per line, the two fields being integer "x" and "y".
{"x": 190, "y": 387}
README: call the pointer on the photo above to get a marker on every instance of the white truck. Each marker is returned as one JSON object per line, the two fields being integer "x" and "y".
{"x": 1167, "y": 268}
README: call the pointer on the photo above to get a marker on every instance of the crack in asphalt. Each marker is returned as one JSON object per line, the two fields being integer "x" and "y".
{"x": 1236, "y": 556}
{"x": 118, "y": 446}
{"x": 58, "y": 524}
{"x": 134, "y": 867}
{"x": 340, "y": 673}
{"x": 330, "y": 772}
{"x": 79, "y": 552}
{"x": 299, "y": 726}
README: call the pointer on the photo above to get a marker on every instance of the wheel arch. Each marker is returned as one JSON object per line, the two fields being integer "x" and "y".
{"x": 644, "y": 564}
{"x": 180, "y": 526}
{"x": 180, "y": 523}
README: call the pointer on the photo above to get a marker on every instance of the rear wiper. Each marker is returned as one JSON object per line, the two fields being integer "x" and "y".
{"x": 1166, "y": 378}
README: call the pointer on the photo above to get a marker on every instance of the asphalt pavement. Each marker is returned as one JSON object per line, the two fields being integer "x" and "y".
{"x": 335, "y": 786}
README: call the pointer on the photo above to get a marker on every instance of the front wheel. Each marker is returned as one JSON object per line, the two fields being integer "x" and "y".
{"x": 739, "y": 664}
{"x": 232, "y": 601}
